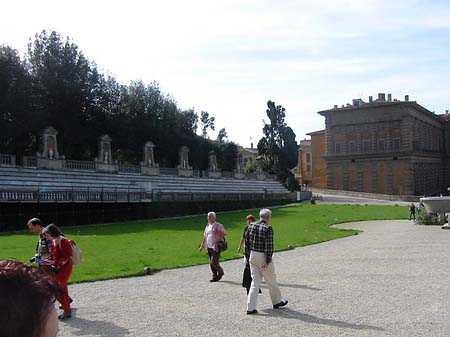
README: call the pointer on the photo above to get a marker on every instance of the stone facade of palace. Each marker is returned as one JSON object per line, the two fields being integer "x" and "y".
{"x": 385, "y": 146}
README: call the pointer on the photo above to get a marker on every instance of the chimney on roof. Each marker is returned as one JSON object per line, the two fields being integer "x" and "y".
{"x": 357, "y": 102}
{"x": 389, "y": 97}
{"x": 381, "y": 96}
{"x": 343, "y": 105}
{"x": 406, "y": 98}
{"x": 370, "y": 99}
{"x": 446, "y": 112}
{"x": 335, "y": 106}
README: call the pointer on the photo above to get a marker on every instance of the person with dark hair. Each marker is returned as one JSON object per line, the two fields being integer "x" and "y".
{"x": 26, "y": 301}
{"x": 43, "y": 246}
{"x": 62, "y": 264}
{"x": 246, "y": 277}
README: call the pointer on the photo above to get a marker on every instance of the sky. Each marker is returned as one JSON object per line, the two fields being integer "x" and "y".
{"x": 230, "y": 57}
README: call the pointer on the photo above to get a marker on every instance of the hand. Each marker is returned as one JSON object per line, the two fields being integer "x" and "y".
{"x": 264, "y": 267}
{"x": 200, "y": 248}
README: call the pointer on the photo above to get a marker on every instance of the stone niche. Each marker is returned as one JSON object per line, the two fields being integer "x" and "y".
{"x": 148, "y": 164}
{"x": 213, "y": 169}
{"x": 49, "y": 158}
{"x": 184, "y": 170}
{"x": 104, "y": 161}
{"x": 259, "y": 171}
{"x": 239, "y": 172}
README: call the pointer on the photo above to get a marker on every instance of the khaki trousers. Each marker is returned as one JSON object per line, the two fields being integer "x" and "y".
{"x": 257, "y": 259}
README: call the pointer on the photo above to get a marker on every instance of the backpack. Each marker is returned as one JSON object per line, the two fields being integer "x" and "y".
{"x": 77, "y": 255}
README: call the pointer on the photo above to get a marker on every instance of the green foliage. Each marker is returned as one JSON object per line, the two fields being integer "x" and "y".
{"x": 250, "y": 166}
{"x": 222, "y": 136}
{"x": 125, "y": 249}
{"x": 56, "y": 85}
{"x": 207, "y": 122}
{"x": 278, "y": 148}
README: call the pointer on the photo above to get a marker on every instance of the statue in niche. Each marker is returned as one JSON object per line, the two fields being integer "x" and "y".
{"x": 106, "y": 156}
{"x": 51, "y": 147}
{"x": 239, "y": 166}
{"x": 149, "y": 156}
{"x": 184, "y": 158}
{"x": 213, "y": 161}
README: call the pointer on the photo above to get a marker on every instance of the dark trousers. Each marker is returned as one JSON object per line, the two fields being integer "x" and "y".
{"x": 216, "y": 269}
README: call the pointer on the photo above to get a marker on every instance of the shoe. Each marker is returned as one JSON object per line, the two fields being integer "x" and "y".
{"x": 281, "y": 304}
{"x": 214, "y": 280}
{"x": 254, "y": 311}
{"x": 65, "y": 315}
{"x": 70, "y": 301}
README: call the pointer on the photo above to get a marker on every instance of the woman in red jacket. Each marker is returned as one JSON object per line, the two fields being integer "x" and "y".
{"x": 60, "y": 258}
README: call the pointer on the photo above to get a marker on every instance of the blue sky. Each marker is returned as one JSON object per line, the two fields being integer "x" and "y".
{"x": 230, "y": 57}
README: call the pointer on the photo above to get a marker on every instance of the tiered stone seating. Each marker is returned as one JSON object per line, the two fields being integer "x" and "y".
{"x": 18, "y": 178}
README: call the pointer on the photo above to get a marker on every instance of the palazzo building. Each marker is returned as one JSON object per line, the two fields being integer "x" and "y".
{"x": 382, "y": 146}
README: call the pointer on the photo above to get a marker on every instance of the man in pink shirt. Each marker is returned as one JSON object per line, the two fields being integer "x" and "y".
{"x": 214, "y": 232}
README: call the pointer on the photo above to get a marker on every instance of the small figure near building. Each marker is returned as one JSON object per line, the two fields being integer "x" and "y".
{"x": 420, "y": 209}
{"x": 412, "y": 212}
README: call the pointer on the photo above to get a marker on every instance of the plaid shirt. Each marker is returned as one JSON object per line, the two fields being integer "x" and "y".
{"x": 259, "y": 238}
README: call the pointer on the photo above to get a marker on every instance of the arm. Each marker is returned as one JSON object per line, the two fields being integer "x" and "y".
{"x": 203, "y": 244}
{"x": 269, "y": 248}
{"x": 240, "y": 245}
{"x": 64, "y": 254}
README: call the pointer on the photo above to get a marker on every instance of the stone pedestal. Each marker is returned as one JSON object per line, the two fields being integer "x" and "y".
{"x": 150, "y": 171}
{"x": 238, "y": 175}
{"x": 185, "y": 172}
{"x": 214, "y": 174}
{"x": 50, "y": 164}
{"x": 107, "y": 168}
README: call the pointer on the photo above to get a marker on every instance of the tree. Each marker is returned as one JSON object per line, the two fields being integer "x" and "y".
{"x": 16, "y": 120}
{"x": 207, "y": 122}
{"x": 222, "y": 137}
{"x": 278, "y": 147}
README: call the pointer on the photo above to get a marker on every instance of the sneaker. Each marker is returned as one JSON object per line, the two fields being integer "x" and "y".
{"x": 251, "y": 312}
{"x": 279, "y": 305}
{"x": 65, "y": 315}
{"x": 214, "y": 280}
{"x": 219, "y": 277}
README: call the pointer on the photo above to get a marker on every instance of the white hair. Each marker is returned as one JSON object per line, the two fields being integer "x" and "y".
{"x": 213, "y": 214}
{"x": 265, "y": 213}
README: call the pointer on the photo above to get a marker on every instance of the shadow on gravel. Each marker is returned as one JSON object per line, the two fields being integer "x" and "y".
{"x": 293, "y": 314}
{"x": 95, "y": 328}
{"x": 300, "y": 286}
{"x": 287, "y": 285}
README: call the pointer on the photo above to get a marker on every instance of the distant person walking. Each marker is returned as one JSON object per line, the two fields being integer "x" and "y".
{"x": 259, "y": 243}
{"x": 61, "y": 261}
{"x": 420, "y": 209}
{"x": 214, "y": 232}
{"x": 412, "y": 212}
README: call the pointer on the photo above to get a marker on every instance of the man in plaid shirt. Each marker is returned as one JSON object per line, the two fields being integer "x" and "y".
{"x": 259, "y": 251}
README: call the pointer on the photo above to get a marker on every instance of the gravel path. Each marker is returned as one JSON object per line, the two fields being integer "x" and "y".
{"x": 390, "y": 280}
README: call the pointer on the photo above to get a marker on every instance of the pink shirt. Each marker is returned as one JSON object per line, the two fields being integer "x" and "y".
{"x": 217, "y": 232}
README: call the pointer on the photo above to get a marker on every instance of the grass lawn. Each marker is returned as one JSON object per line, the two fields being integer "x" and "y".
{"x": 124, "y": 249}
